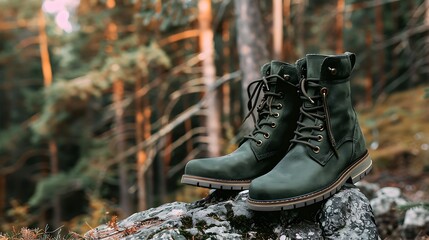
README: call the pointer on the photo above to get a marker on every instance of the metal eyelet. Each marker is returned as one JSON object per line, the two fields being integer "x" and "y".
{"x": 276, "y": 115}
{"x": 332, "y": 70}
{"x": 279, "y": 106}
{"x": 286, "y": 77}
{"x": 319, "y": 138}
{"x": 266, "y": 135}
{"x": 316, "y": 149}
{"x": 321, "y": 127}
{"x": 259, "y": 143}
{"x": 273, "y": 125}
{"x": 324, "y": 91}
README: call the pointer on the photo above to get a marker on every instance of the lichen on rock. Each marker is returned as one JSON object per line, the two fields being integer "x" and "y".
{"x": 224, "y": 215}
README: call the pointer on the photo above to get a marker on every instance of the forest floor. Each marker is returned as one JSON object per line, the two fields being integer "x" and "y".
{"x": 397, "y": 133}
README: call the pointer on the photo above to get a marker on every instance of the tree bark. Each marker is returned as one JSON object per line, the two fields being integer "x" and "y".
{"x": 118, "y": 94}
{"x": 209, "y": 75}
{"x": 47, "y": 81}
{"x": 251, "y": 43}
{"x": 300, "y": 28}
{"x": 339, "y": 48}
{"x": 2, "y": 194}
{"x": 368, "y": 78}
{"x": 141, "y": 155}
{"x": 289, "y": 52}
{"x": 278, "y": 29}
{"x": 427, "y": 12}
{"x": 380, "y": 38}
{"x": 226, "y": 88}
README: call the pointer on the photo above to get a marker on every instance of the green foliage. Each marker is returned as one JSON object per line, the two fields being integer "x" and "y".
{"x": 173, "y": 13}
{"x": 65, "y": 96}
{"x": 10, "y": 137}
{"x": 54, "y": 185}
{"x": 23, "y": 11}
{"x": 84, "y": 175}
{"x": 424, "y": 205}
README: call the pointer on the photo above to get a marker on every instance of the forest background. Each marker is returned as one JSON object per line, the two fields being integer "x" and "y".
{"x": 102, "y": 102}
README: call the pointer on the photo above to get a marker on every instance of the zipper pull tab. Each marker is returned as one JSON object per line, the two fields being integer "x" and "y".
{"x": 324, "y": 92}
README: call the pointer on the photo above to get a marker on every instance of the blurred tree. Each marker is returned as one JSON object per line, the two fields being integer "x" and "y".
{"x": 340, "y": 26}
{"x": 209, "y": 76}
{"x": 47, "y": 82}
{"x": 251, "y": 42}
{"x": 278, "y": 29}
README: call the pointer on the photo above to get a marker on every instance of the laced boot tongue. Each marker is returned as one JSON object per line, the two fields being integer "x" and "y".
{"x": 315, "y": 103}
{"x": 277, "y": 68}
{"x": 273, "y": 80}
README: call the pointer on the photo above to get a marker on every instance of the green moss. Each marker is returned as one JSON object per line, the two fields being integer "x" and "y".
{"x": 201, "y": 225}
{"x": 214, "y": 216}
{"x": 241, "y": 223}
{"x": 187, "y": 222}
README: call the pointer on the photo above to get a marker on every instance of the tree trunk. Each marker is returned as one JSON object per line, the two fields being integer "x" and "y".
{"x": 47, "y": 81}
{"x": 380, "y": 38}
{"x": 278, "y": 29}
{"x": 120, "y": 144}
{"x": 368, "y": 78}
{"x": 289, "y": 52}
{"x": 141, "y": 155}
{"x": 339, "y": 48}
{"x": 118, "y": 94}
{"x": 251, "y": 43}
{"x": 2, "y": 194}
{"x": 427, "y": 12}
{"x": 209, "y": 75}
{"x": 300, "y": 28}
{"x": 226, "y": 88}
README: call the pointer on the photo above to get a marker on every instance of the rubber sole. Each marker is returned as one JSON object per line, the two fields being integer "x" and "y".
{"x": 216, "y": 183}
{"x": 352, "y": 174}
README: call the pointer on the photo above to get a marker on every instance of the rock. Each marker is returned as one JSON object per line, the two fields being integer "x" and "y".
{"x": 416, "y": 223}
{"x": 348, "y": 216}
{"x": 224, "y": 215}
{"x": 369, "y": 189}
{"x": 387, "y": 199}
{"x": 416, "y": 217}
{"x": 387, "y": 214}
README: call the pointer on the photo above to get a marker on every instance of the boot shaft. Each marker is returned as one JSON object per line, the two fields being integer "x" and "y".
{"x": 325, "y": 91}
{"x": 333, "y": 73}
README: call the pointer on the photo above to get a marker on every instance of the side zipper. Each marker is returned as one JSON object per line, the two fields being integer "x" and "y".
{"x": 324, "y": 92}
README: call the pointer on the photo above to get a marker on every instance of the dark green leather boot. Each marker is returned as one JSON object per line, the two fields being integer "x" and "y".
{"x": 328, "y": 148}
{"x": 260, "y": 151}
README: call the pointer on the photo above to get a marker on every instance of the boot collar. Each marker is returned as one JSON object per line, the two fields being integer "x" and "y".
{"x": 329, "y": 67}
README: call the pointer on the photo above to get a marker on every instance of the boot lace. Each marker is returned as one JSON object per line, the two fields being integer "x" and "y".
{"x": 265, "y": 108}
{"x": 317, "y": 110}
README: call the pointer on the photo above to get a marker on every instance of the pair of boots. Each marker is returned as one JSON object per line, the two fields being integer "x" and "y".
{"x": 306, "y": 143}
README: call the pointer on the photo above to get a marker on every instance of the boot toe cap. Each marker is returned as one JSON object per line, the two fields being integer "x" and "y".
{"x": 194, "y": 167}
{"x": 206, "y": 168}
{"x": 265, "y": 188}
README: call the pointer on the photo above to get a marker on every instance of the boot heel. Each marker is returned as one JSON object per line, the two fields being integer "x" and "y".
{"x": 360, "y": 170}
